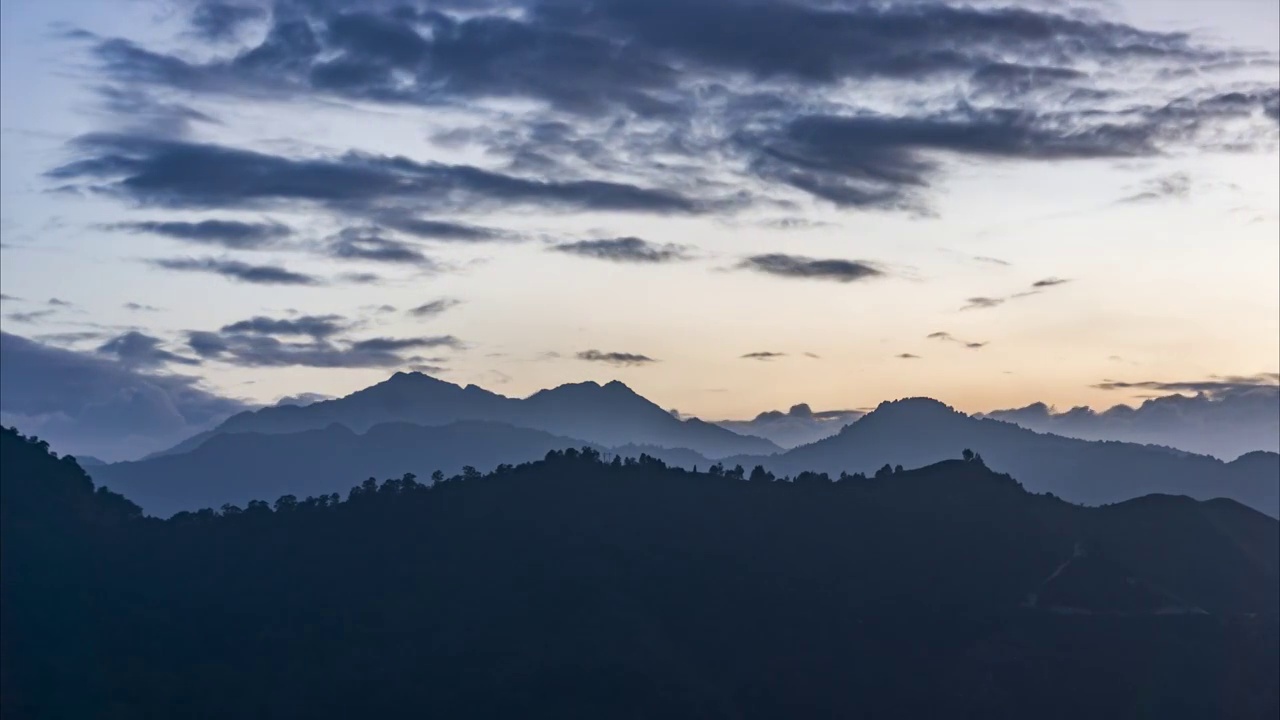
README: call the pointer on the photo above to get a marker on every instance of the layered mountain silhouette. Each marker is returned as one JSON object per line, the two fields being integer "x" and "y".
{"x": 920, "y": 431}
{"x": 1225, "y": 426}
{"x": 798, "y": 426}
{"x": 578, "y": 586}
{"x": 609, "y": 414}
{"x": 237, "y": 467}
{"x": 260, "y": 450}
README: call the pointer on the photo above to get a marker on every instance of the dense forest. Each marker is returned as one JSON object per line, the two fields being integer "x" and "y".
{"x": 582, "y": 586}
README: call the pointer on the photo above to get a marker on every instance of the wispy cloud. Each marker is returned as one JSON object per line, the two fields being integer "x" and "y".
{"x": 615, "y": 358}
{"x": 800, "y": 267}
{"x": 237, "y": 270}
{"x": 625, "y": 250}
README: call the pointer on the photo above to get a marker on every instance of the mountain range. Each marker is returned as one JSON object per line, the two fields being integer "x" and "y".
{"x": 414, "y": 423}
{"x": 609, "y": 414}
{"x": 800, "y": 425}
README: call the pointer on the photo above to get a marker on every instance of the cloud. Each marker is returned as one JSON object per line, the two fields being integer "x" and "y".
{"x": 438, "y": 229}
{"x": 217, "y": 21}
{"x": 1049, "y": 282}
{"x": 230, "y": 234}
{"x": 975, "y": 303}
{"x": 383, "y": 344}
{"x": 316, "y": 326}
{"x": 797, "y": 266}
{"x": 8, "y": 298}
{"x": 1037, "y": 287}
{"x": 948, "y": 337}
{"x": 991, "y": 260}
{"x": 236, "y": 270}
{"x": 688, "y": 106}
{"x": 367, "y": 244}
{"x": 1175, "y": 186}
{"x": 763, "y": 355}
{"x": 615, "y": 358}
{"x": 55, "y": 302}
{"x": 907, "y": 356}
{"x": 134, "y": 349}
{"x": 177, "y": 174}
{"x": 624, "y": 249}
{"x": 86, "y": 403}
{"x": 815, "y": 356}
{"x": 1214, "y": 385}
{"x": 360, "y": 278}
{"x": 249, "y": 349}
{"x": 303, "y": 399}
{"x": 140, "y": 307}
{"x": 433, "y": 308}
{"x": 30, "y": 316}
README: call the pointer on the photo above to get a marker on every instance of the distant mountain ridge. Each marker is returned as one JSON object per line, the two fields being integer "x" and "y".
{"x": 1225, "y": 426}
{"x": 798, "y": 426}
{"x": 920, "y": 431}
{"x": 609, "y": 414}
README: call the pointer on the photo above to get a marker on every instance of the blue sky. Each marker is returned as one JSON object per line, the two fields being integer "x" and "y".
{"x": 988, "y": 205}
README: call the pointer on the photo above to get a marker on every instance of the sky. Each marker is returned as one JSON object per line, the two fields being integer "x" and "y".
{"x": 730, "y": 206}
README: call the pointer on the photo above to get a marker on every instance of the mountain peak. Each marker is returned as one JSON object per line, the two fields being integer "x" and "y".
{"x": 914, "y": 406}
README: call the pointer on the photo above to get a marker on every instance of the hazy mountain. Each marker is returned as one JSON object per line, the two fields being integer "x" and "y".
{"x": 1224, "y": 426}
{"x": 919, "y": 431}
{"x": 573, "y": 588}
{"x": 609, "y": 414}
{"x": 241, "y": 466}
{"x": 798, "y": 426}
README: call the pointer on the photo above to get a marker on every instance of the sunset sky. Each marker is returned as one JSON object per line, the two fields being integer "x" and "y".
{"x": 729, "y": 206}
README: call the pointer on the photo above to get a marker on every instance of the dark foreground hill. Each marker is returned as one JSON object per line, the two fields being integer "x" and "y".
{"x": 571, "y": 588}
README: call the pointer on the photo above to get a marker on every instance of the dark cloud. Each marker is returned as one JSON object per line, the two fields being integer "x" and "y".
{"x": 815, "y": 356}
{"x": 1049, "y": 282}
{"x": 134, "y": 349}
{"x": 247, "y": 349}
{"x": 1037, "y": 287}
{"x": 796, "y": 266}
{"x": 31, "y": 316}
{"x": 361, "y": 278}
{"x": 948, "y": 337}
{"x": 615, "y": 358}
{"x": 1214, "y": 385}
{"x": 141, "y": 112}
{"x": 907, "y": 356}
{"x": 236, "y": 270}
{"x": 175, "y": 174}
{"x": 56, "y": 302}
{"x": 976, "y": 303}
{"x": 438, "y": 229}
{"x": 230, "y": 234}
{"x": 70, "y": 338}
{"x": 435, "y": 307}
{"x": 368, "y": 244}
{"x": 140, "y": 307}
{"x": 624, "y": 249}
{"x": 763, "y": 355}
{"x": 8, "y": 298}
{"x": 660, "y": 90}
{"x": 383, "y": 344}
{"x": 316, "y": 326}
{"x": 222, "y": 21}
{"x": 90, "y": 404}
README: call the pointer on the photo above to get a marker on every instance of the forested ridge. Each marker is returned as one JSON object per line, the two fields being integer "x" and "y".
{"x": 580, "y": 587}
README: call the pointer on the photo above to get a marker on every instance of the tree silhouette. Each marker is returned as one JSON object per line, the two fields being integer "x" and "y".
{"x": 967, "y": 455}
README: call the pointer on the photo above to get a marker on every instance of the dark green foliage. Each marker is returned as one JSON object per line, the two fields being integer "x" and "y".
{"x": 579, "y": 588}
